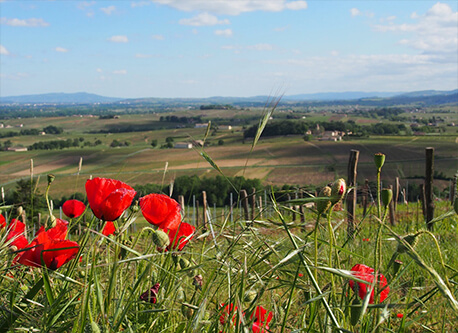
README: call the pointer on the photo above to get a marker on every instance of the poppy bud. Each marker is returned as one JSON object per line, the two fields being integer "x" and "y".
{"x": 134, "y": 208}
{"x": 94, "y": 327}
{"x": 355, "y": 311}
{"x": 323, "y": 204}
{"x": 250, "y": 295}
{"x": 379, "y": 160}
{"x": 396, "y": 266}
{"x": 52, "y": 219}
{"x": 161, "y": 239}
{"x": 184, "y": 263}
{"x": 181, "y": 296}
{"x": 51, "y": 178}
{"x": 338, "y": 190}
{"x": 412, "y": 239}
{"x": 187, "y": 311}
{"x": 387, "y": 196}
{"x": 198, "y": 281}
{"x": 20, "y": 211}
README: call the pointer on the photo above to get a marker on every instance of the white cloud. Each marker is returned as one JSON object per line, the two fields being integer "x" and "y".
{"x": 389, "y": 72}
{"x": 140, "y": 4}
{"x": 61, "y": 49}
{"x": 157, "y": 37}
{"x": 203, "y": 19}
{"x": 32, "y": 22}
{"x": 120, "y": 72}
{"x": 256, "y": 47}
{"x": 296, "y": 5}
{"x": 225, "y": 32}
{"x": 83, "y": 5}
{"x": 108, "y": 10}
{"x": 99, "y": 70}
{"x": 355, "y": 12}
{"x": 261, "y": 47}
{"x": 434, "y": 32}
{"x": 118, "y": 39}
{"x": 3, "y": 50}
{"x": 234, "y": 7}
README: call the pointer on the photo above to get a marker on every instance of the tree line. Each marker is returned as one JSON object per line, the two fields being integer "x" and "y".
{"x": 300, "y": 127}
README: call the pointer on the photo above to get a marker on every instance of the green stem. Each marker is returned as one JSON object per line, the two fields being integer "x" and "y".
{"x": 379, "y": 207}
{"x": 315, "y": 242}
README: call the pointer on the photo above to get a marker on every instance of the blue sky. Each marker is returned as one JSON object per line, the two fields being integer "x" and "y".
{"x": 203, "y": 48}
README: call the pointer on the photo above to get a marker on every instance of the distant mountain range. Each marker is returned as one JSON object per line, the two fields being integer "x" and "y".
{"x": 428, "y": 97}
{"x": 59, "y": 98}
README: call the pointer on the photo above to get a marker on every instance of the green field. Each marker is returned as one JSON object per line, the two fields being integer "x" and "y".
{"x": 275, "y": 160}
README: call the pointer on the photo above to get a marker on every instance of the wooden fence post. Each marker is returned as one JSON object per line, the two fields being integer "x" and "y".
{"x": 453, "y": 189}
{"x": 260, "y": 207}
{"x": 429, "y": 176}
{"x": 181, "y": 202}
{"x": 253, "y": 203}
{"x": 351, "y": 196}
{"x": 392, "y": 210}
{"x": 365, "y": 198}
{"x": 244, "y": 200}
{"x": 397, "y": 186}
{"x": 423, "y": 200}
{"x": 204, "y": 209}
{"x": 197, "y": 214}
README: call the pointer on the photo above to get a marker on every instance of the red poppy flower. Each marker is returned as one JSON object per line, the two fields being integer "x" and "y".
{"x": 161, "y": 211}
{"x": 2, "y": 222}
{"x": 261, "y": 320}
{"x": 108, "y": 198}
{"x": 151, "y": 295}
{"x": 180, "y": 237}
{"x": 366, "y": 273}
{"x": 51, "y": 246}
{"x": 108, "y": 229}
{"x": 16, "y": 235}
{"x": 229, "y": 312}
{"x": 400, "y": 315}
{"x": 73, "y": 208}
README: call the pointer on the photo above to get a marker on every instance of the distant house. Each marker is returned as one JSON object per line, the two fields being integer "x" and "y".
{"x": 201, "y": 125}
{"x": 225, "y": 127}
{"x": 183, "y": 145}
{"x": 17, "y": 148}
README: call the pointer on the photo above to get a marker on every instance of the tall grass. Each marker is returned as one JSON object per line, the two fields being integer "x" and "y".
{"x": 299, "y": 272}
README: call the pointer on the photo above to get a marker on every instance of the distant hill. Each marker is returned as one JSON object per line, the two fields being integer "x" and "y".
{"x": 59, "y": 98}
{"x": 334, "y": 96}
{"x": 420, "y": 98}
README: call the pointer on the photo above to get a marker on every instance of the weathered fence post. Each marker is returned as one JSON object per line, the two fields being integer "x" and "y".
{"x": 397, "y": 186}
{"x": 181, "y": 201}
{"x": 197, "y": 215}
{"x": 351, "y": 196}
{"x": 429, "y": 176}
{"x": 253, "y": 203}
{"x": 392, "y": 210}
{"x": 260, "y": 207}
{"x": 365, "y": 196}
{"x": 244, "y": 201}
{"x": 423, "y": 200}
{"x": 204, "y": 209}
{"x": 453, "y": 190}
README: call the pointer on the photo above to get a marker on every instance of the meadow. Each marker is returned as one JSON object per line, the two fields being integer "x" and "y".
{"x": 270, "y": 273}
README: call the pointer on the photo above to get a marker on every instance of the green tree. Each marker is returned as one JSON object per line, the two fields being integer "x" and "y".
{"x": 28, "y": 196}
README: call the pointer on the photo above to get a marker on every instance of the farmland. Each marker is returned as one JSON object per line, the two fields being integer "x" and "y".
{"x": 275, "y": 160}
